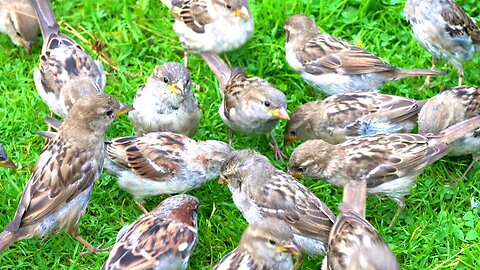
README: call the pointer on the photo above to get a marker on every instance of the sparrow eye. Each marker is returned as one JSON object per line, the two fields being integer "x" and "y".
{"x": 272, "y": 242}
{"x": 229, "y": 7}
{"x": 300, "y": 169}
{"x": 266, "y": 103}
{"x": 165, "y": 79}
{"x": 18, "y": 34}
{"x": 109, "y": 112}
{"x": 187, "y": 82}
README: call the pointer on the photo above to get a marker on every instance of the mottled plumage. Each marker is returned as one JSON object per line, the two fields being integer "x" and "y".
{"x": 162, "y": 239}
{"x": 19, "y": 22}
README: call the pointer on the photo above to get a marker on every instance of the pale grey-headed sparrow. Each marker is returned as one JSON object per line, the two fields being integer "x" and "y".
{"x": 19, "y": 22}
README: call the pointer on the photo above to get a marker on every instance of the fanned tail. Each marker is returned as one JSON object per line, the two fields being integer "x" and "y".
{"x": 218, "y": 67}
{"x": 459, "y": 130}
{"x": 404, "y": 73}
{"x": 46, "y": 18}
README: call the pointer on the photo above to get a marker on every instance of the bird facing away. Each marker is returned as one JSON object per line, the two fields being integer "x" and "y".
{"x": 4, "y": 159}
{"x": 162, "y": 239}
{"x": 19, "y": 22}
{"x": 166, "y": 102}
{"x": 354, "y": 243}
{"x": 444, "y": 29}
{"x": 57, "y": 193}
{"x": 389, "y": 163}
{"x": 451, "y": 107}
{"x": 211, "y": 25}
{"x": 259, "y": 190}
{"x": 265, "y": 244}
{"x": 163, "y": 163}
{"x": 343, "y": 116}
{"x": 66, "y": 72}
{"x": 335, "y": 66}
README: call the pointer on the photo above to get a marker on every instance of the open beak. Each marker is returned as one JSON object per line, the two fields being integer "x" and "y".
{"x": 222, "y": 180}
{"x": 174, "y": 88}
{"x": 289, "y": 139}
{"x": 242, "y": 13}
{"x": 7, "y": 164}
{"x": 279, "y": 113}
{"x": 125, "y": 108}
{"x": 290, "y": 248}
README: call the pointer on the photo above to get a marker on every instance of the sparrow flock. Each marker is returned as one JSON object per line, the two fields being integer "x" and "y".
{"x": 356, "y": 139}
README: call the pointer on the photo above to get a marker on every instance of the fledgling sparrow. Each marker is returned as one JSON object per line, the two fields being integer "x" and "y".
{"x": 163, "y": 163}
{"x": 162, "y": 239}
{"x": 444, "y": 29}
{"x": 57, "y": 193}
{"x": 448, "y": 108}
{"x": 66, "y": 72}
{"x": 389, "y": 163}
{"x": 265, "y": 244}
{"x": 211, "y": 25}
{"x": 166, "y": 102}
{"x": 19, "y": 22}
{"x": 252, "y": 106}
{"x": 343, "y": 116}
{"x": 354, "y": 243}
{"x": 259, "y": 190}
{"x": 335, "y": 66}
{"x": 4, "y": 159}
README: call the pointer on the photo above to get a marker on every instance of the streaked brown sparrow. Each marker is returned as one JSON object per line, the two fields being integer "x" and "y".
{"x": 19, "y": 22}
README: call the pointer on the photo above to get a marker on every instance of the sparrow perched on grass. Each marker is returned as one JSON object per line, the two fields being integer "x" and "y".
{"x": 163, "y": 163}
{"x": 335, "y": 66}
{"x": 166, "y": 102}
{"x": 162, "y": 239}
{"x": 343, "y": 116}
{"x": 66, "y": 72}
{"x": 445, "y": 31}
{"x": 19, "y": 22}
{"x": 4, "y": 159}
{"x": 259, "y": 190}
{"x": 389, "y": 163}
{"x": 265, "y": 244}
{"x": 451, "y": 107}
{"x": 57, "y": 194}
{"x": 211, "y": 25}
{"x": 354, "y": 243}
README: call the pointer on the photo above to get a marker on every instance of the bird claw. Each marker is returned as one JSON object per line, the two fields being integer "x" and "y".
{"x": 279, "y": 155}
{"x": 96, "y": 250}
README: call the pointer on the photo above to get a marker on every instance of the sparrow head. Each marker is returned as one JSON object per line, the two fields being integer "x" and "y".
{"x": 182, "y": 208}
{"x": 214, "y": 154}
{"x": 23, "y": 28}
{"x": 300, "y": 27}
{"x": 310, "y": 159}
{"x": 173, "y": 77}
{"x": 269, "y": 240}
{"x": 4, "y": 160}
{"x": 237, "y": 8}
{"x": 298, "y": 125}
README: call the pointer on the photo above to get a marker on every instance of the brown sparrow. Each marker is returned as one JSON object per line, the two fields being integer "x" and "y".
{"x": 66, "y": 72}
{"x": 343, "y": 116}
{"x": 163, "y": 163}
{"x": 19, "y": 22}
{"x": 260, "y": 190}
{"x": 389, "y": 163}
{"x": 354, "y": 243}
{"x": 211, "y": 25}
{"x": 451, "y": 107}
{"x": 445, "y": 31}
{"x": 265, "y": 244}
{"x": 335, "y": 66}
{"x": 58, "y": 191}
{"x": 166, "y": 102}
{"x": 4, "y": 159}
{"x": 162, "y": 239}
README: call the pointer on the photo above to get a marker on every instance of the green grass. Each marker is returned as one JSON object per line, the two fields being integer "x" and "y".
{"x": 437, "y": 230}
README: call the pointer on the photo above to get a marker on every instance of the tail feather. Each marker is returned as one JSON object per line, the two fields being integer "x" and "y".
{"x": 459, "y": 130}
{"x": 7, "y": 238}
{"x": 218, "y": 67}
{"x": 46, "y": 18}
{"x": 354, "y": 197}
{"x": 404, "y": 73}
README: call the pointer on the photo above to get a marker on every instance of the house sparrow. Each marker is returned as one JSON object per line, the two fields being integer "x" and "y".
{"x": 354, "y": 243}
{"x": 451, "y": 107}
{"x": 259, "y": 190}
{"x": 162, "y": 239}
{"x": 444, "y": 30}
{"x": 66, "y": 72}
{"x": 163, "y": 163}
{"x": 252, "y": 106}
{"x": 58, "y": 191}
{"x": 343, "y": 116}
{"x": 4, "y": 159}
{"x": 211, "y": 25}
{"x": 19, "y": 22}
{"x": 335, "y": 66}
{"x": 265, "y": 244}
{"x": 389, "y": 163}
{"x": 166, "y": 102}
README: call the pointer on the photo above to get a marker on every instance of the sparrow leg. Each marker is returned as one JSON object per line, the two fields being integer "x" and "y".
{"x": 90, "y": 247}
{"x": 279, "y": 155}
{"x": 427, "y": 79}
{"x": 401, "y": 206}
{"x": 185, "y": 58}
{"x": 298, "y": 263}
{"x": 230, "y": 136}
{"x": 474, "y": 160}
{"x": 140, "y": 205}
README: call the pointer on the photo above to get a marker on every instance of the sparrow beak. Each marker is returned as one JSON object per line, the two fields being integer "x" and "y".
{"x": 290, "y": 248}
{"x": 242, "y": 13}
{"x": 27, "y": 45}
{"x": 295, "y": 174}
{"x": 7, "y": 164}
{"x": 279, "y": 113}
{"x": 174, "y": 88}
{"x": 289, "y": 139}
{"x": 125, "y": 108}
{"x": 222, "y": 180}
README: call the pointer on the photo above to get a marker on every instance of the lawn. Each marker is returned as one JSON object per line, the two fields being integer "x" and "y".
{"x": 438, "y": 229}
